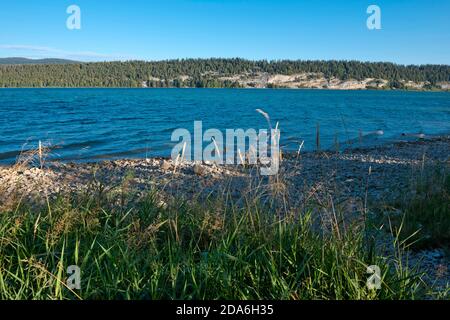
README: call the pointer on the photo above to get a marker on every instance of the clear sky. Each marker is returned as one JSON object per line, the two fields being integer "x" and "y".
{"x": 413, "y": 31}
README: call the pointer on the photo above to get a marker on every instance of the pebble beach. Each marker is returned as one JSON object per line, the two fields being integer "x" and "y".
{"x": 381, "y": 171}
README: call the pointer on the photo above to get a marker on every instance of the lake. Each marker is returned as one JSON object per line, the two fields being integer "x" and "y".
{"x": 99, "y": 124}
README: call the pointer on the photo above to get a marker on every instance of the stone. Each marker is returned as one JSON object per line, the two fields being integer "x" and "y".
{"x": 166, "y": 165}
{"x": 199, "y": 169}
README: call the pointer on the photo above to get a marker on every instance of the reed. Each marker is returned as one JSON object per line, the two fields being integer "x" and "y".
{"x": 35, "y": 156}
{"x": 177, "y": 160}
{"x": 195, "y": 250}
{"x": 423, "y": 216}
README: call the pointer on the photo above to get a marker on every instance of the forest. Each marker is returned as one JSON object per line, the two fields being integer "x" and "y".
{"x": 201, "y": 73}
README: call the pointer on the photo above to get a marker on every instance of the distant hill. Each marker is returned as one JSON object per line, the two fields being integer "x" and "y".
{"x": 17, "y": 60}
{"x": 223, "y": 73}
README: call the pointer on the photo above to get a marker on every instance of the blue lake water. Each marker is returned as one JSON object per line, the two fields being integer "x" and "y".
{"x": 97, "y": 124}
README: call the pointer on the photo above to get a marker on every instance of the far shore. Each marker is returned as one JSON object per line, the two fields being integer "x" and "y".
{"x": 238, "y": 88}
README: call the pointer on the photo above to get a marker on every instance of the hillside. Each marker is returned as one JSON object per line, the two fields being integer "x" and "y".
{"x": 219, "y": 73}
{"x": 20, "y": 61}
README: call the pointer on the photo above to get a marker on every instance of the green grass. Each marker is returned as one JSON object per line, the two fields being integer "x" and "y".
{"x": 423, "y": 219}
{"x": 209, "y": 250}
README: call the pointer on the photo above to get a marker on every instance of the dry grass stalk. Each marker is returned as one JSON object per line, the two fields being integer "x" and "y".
{"x": 32, "y": 157}
{"x": 178, "y": 157}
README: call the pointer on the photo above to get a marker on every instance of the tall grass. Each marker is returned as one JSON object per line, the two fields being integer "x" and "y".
{"x": 423, "y": 217}
{"x": 208, "y": 250}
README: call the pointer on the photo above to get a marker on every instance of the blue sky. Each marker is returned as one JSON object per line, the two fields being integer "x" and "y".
{"x": 413, "y": 31}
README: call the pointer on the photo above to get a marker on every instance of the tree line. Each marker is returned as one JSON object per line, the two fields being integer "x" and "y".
{"x": 206, "y": 72}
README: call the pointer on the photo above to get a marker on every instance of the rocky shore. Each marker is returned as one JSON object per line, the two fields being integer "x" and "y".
{"x": 381, "y": 172}
{"x": 348, "y": 180}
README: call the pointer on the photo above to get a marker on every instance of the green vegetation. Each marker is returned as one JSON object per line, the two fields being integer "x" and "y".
{"x": 205, "y": 72}
{"x": 424, "y": 219}
{"x": 220, "y": 248}
{"x": 213, "y": 250}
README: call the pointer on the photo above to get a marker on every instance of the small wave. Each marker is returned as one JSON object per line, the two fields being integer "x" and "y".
{"x": 10, "y": 155}
{"x": 83, "y": 144}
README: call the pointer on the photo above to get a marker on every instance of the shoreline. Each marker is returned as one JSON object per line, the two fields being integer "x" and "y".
{"x": 308, "y": 166}
{"x": 239, "y": 88}
{"x": 344, "y": 147}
